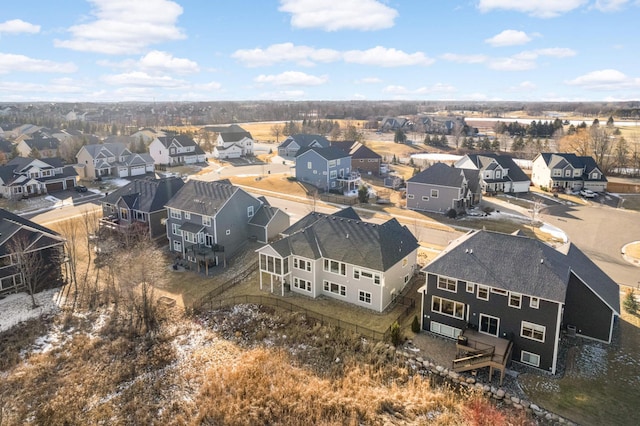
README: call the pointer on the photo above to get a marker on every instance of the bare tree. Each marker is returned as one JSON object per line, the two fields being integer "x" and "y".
{"x": 456, "y": 132}
{"x": 276, "y": 131}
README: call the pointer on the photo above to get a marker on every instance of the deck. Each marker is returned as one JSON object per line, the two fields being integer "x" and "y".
{"x": 478, "y": 350}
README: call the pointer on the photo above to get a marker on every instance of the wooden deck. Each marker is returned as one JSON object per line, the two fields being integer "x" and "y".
{"x": 478, "y": 350}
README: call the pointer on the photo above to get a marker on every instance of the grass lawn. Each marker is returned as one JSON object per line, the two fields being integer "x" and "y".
{"x": 631, "y": 202}
{"x": 633, "y": 250}
{"x": 601, "y": 384}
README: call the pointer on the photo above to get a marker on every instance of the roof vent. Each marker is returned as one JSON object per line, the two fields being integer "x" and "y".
{"x": 470, "y": 251}
{"x": 347, "y": 235}
{"x": 466, "y": 250}
{"x": 541, "y": 261}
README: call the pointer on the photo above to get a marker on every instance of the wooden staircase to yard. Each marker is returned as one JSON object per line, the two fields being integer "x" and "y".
{"x": 475, "y": 351}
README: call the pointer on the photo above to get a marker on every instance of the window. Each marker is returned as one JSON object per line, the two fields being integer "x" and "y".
{"x": 489, "y": 324}
{"x": 515, "y": 300}
{"x": 530, "y": 358}
{"x": 498, "y": 174}
{"x": 175, "y": 230}
{"x": 333, "y": 174}
{"x": 499, "y": 291}
{"x": 139, "y": 216}
{"x": 470, "y": 288}
{"x": 175, "y": 214}
{"x": 228, "y": 232}
{"x": 425, "y": 198}
{"x": 309, "y": 165}
{"x": 124, "y": 214}
{"x": 534, "y": 302}
{"x": 434, "y": 193}
{"x": 364, "y": 296}
{"x": 447, "y": 307}
{"x": 448, "y": 284}
{"x": 298, "y": 263}
{"x": 532, "y": 331}
{"x": 594, "y": 175}
{"x": 208, "y": 240}
{"x": 190, "y": 237}
{"x": 302, "y": 284}
{"x": 250, "y": 211}
{"x": 332, "y": 163}
{"x": 410, "y": 196}
{"x": 557, "y": 172}
{"x": 483, "y": 292}
{"x": 206, "y": 220}
{"x": 335, "y": 288}
{"x": 567, "y": 173}
{"x": 177, "y": 246}
{"x": 376, "y": 279}
{"x": 187, "y": 215}
{"x": 335, "y": 267}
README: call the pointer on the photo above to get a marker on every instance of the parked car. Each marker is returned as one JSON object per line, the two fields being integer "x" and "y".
{"x": 587, "y": 193}
{"x": 81, "y": 188}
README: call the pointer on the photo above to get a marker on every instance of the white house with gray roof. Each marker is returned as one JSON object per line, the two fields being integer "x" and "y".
{"x": 498, "y": 173}
{"x": 176, "y": 150}
{"x": 567, "y": 171}
{"x": 111, "y": 160}
{"x": 519, "y": 289}
{"x": 342, "y": 257}
{"x": 233, "y": 142}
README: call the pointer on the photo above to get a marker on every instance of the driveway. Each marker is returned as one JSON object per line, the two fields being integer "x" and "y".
{"x": 600, "y": 232}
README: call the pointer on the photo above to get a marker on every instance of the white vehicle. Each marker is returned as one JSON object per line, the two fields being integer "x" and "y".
{"x": 587, "y": 193}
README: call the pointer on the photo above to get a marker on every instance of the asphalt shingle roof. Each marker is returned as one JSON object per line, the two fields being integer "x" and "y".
{"x": 147, "y": 195}
{"x": 329, "y": 153}
{"x": 444, "y": 175}
{"x": 202, "y": 197}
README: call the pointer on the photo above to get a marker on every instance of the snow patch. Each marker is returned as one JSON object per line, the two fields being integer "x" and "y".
{"x": 16, "y": 308}
{"x": 556, "y": 232}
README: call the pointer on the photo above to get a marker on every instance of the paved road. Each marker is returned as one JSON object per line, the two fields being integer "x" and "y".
{"x": 600, "y": 232}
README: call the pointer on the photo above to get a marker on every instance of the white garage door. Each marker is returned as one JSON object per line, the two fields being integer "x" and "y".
{"x": 123, "y": 172}
{"x": 137, "y": 170}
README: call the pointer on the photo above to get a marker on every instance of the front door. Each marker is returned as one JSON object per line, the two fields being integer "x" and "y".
{"x": 489, "y": 325}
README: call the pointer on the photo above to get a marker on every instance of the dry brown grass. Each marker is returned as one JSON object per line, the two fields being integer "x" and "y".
{"x": 633, "y": 250}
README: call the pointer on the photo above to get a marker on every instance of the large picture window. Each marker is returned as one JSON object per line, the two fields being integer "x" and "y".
{"x": 335, "y": 267}
{"x": 302, "y": 284}
{"x": 335, "y": 288}
{"x": 447, "y": 307}
{"x": 298, "y": 263}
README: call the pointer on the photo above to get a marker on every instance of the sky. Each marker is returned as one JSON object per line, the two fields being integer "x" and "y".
{"x": 213, "y": 50}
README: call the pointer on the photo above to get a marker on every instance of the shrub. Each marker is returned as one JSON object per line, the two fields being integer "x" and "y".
{"x": 415, "y": 325}
{"x": 395, "y": 334}
{"x": 630, "y": 303}
{"x": 451, "y": 213}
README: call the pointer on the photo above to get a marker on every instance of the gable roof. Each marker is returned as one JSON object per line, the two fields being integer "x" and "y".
{"x": 42, "y": 144}
{"x": 372, "y": 246}
{"x": 183, "y": 140}
{"x": 558, "y": 160}
{"x": 263, "y": 216}
{"x": 109, "y": 149}
{"x": 486, "y": 257}
{"x": 311, "y": 218}
{"x": 202, "y": 197}
{"x": 356, "y": 149}
{"x": 305, "y": 139}
{"x": 147, "y": 195}
{"x": 37, "y": 235}
{"x": 329, "y": 153}
{"x": 483, "y": 160}
{"x": 444, "y": 175}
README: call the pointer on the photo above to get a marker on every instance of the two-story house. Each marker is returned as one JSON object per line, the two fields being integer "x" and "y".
{"x": 18, "y": 234}
{"x": 139, "y": 206}
{"x": 176, "y": 150}
{"x": 521, "y": 290}
{"x": 566, "y": 171}
{"x": 342, "y": 257}
{"x": 111, "y": 160}
{"x": 208, "y": 222}
{"x": 328, "y": 169}
{"x": 45, "y": 147}
{"x": 25, "y": 177}
{"x": 363, "y": 159}
{"x": 440, "y": 188}
{"x": 233, "y": 142}
{"x": 498, "y": 173}
{"x": 293, "y": 143}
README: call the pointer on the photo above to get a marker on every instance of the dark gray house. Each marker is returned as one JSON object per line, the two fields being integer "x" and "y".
{"x": 440, "y": 188}
{"x": 328, "y": 169}
{"x": 498, "y": 173}
{"x": 139, "y": 206}
{"x": 363, "y": 159}
{"x": 208, "y": 222}
{"x": 293, "y": 143}
{"x": 517, "y": 289}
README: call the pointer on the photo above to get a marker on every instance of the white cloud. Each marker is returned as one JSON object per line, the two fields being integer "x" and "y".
{"x": 386, "y": 57}
{"x": 464, "y": 59}
{"x": 609, "y": 5}
{"x": 369, "y": 80}
{"x": 164, "y": 61}
{"x": 537, "y": 8}
{"x": 333, "y": 15}
{"x": 511, "y": 64}
{"x": 16, "y": 26}
{"x": 556, "y": 52}
{"x": 508, "y": 38}
{"x": 292, "y": 78}
{"x": 285, "y": 52}
{"x": 125, "y": 26}
{"x": 11, "y": 63}
{"x": 142, "y": 79}
{"x": 402, "y": 90}
{"x": 59, "y": 86}
{"x": 283, "y": 95}
{"x": 608, "y": 79}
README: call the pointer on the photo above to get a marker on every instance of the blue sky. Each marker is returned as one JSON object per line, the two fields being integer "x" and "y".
{"x": 209, "y": 50}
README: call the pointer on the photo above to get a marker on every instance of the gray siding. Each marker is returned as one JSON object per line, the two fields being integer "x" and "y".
{"x": 312, "y": 168}
{"x": 278, "y": 223}
{"x": 156, "y": 227}
{"x": 444, "y": 201}
{"x": 586, "y": 311}
{"x": 232, "y": 221}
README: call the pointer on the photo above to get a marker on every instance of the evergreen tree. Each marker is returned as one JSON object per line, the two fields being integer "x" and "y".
{"x": 630, "y": 303}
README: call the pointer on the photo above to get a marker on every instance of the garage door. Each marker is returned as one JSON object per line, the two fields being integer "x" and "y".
{"x": 137, "y": 170}
{"x": 124, "y": 172}
{"x": 71, "y": 183}
{"x": 54, "y": 186}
